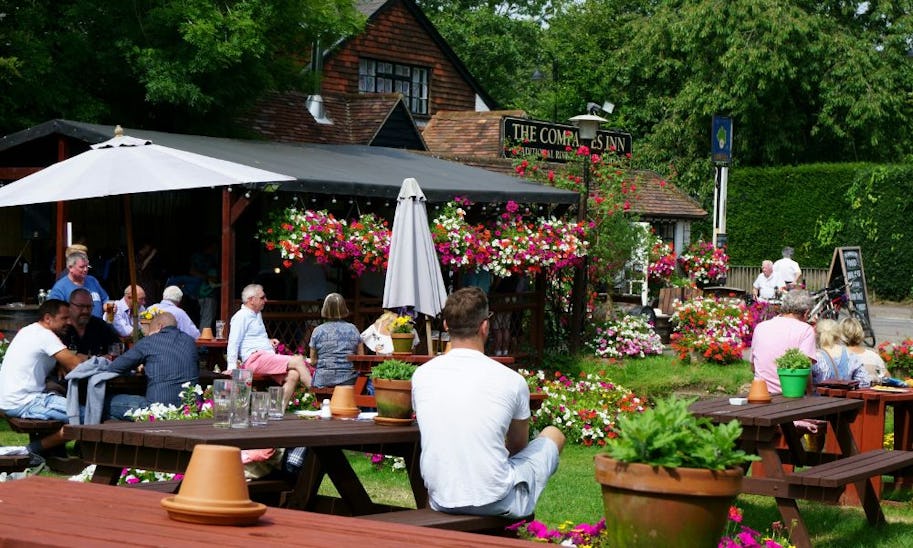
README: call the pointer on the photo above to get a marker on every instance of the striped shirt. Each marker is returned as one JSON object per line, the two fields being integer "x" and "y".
{"x": 170, "y": 357}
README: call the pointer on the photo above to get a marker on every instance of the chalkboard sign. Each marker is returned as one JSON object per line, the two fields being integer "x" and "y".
{"x": 846, "y": 268}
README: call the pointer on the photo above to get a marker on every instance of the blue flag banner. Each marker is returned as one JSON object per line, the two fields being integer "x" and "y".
{"x": 721, "y": 140}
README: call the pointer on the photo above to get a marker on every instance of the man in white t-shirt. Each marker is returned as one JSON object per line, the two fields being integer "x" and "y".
{"x": 767, "y": 283}
{"x": 33, "y": 353}
{"x": 477, "y": 459}
{"x": 788, "y": 269}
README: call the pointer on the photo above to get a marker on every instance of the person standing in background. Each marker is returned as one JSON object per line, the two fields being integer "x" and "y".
{"x": 788, "y": 270}
{"x": 78, "y": 276}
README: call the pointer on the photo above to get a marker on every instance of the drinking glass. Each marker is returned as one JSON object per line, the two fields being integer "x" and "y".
{"x": 116, "y": 349}
{"x": 259, "y": 408}
{"x": 276, "y": 409}
{"x": 220, "y": 329}
{"x": 221, "y": 402}
{"x": 240, "y": 405}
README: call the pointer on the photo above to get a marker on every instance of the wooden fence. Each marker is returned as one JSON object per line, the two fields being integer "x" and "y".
{"x": 743, "y": 276}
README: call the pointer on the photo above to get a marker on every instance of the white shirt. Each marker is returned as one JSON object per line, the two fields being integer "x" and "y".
{"x": 28, "y": 361}
{"x": 767, "y": 287}
{"x": 787, "y": 269}
{"x": 246, "y": 335}
{"x": 123, "y": 318}
{"x": 464, "y": 402}
{"x": 185, "y": 324}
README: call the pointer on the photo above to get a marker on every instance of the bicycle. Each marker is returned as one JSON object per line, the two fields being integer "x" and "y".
{"x": 832, "y": 303}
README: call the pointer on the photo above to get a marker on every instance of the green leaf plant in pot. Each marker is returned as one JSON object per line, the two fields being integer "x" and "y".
{"x": 393, "y": 391}
{"x": 669, "y": 477}
{"x": 794, "y": 368}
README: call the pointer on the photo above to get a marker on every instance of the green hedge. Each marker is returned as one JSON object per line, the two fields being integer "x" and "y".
{"x": 817, "y": 207}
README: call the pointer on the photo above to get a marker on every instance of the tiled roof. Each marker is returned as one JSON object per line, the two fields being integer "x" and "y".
{"x": 357, "y": 118}
{"x": 466, "y": 133}
{"x": 658, "y": 198}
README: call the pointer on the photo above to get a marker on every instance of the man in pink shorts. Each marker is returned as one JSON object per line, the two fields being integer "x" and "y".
{"x": 250, "y": 348}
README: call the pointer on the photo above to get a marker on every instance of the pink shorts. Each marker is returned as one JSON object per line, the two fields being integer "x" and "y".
{"x": 264, "y": 362}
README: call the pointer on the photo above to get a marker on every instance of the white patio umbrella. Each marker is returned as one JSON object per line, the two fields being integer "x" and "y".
{"x": 413, "y": 269}
{"x": 126, "y": 165}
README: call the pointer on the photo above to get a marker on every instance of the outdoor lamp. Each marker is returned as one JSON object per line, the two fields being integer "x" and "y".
{"x": 587, "y": 124}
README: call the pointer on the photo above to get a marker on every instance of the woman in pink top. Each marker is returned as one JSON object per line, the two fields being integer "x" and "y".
{"x": 772, "y": 338}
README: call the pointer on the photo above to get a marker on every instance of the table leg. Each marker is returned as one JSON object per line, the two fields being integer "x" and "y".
{"x": 789, "y": 509}
{"x": 903, "y": 438}
{"x": 345, "y": 480}
{"x": 866, "y": 489}
{"x": 309, "y": 478}
{"x": 106, "y": 475}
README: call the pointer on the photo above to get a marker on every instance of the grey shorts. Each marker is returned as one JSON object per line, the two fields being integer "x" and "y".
{"x": 532, "y": 467}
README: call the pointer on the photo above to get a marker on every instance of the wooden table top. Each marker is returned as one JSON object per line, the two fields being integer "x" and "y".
{"x": 213, "y": 343}
{"x": 99, "y": 515}
{"x": 868, "y": 394}
{"x": 292, "y": 431}
{"x": 778, "y": 411}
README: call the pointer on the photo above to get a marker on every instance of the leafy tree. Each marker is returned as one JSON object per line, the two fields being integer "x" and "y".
{"x": 804, "y": 81}
{"x": 175, "y": 64}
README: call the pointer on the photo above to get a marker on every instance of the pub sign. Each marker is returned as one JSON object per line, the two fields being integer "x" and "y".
{"x": 534, "y": 137}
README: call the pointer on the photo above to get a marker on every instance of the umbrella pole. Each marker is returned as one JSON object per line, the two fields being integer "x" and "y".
{"x": 131, "y": 264}
{"x": 428, "y": 334}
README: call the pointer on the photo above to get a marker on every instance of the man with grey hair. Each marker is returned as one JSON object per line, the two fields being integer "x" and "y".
{"x": 123, "y": 310}
{"x": 767, "y": 283}
{"x": 250, "y": 348}
{"x": 78, "y": 276}
{"x": 788, "y": 269}
{"x": 772, "y": 338}
{"x": 171, "y": 298}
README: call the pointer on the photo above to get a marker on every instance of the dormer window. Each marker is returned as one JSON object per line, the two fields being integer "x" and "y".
{"x": 384, "y": 77}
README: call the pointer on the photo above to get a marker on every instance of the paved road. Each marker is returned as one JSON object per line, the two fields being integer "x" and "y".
{"x": 891, "y": 322}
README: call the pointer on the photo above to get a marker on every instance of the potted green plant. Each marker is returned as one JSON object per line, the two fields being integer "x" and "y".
{"x": 793, "y": 368}
{"x": 669, "y": 477}
{"x": 401, "y": 329}
{"x": 393, "y": 391}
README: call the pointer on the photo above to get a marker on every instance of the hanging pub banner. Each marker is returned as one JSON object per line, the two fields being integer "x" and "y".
{"x": 721, "y": 140}
{"x": 847, "y": 270}
{"x": 524, "y": 137}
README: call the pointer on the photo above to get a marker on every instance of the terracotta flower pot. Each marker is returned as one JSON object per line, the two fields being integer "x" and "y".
{"x": 655, "y": 506}
{"x": 394, "y": 398}
{"x": 214, "y": 490}
{"x": 342, "y": 404}
{"x": 402, "y": 343}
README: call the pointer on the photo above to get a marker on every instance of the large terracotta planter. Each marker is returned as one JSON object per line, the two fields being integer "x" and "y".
{"x": 394, "y": 398}
{"x": 655, "y": 506}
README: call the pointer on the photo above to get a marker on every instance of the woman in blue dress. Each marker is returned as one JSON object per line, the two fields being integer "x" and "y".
{"x": 331, "y": 342}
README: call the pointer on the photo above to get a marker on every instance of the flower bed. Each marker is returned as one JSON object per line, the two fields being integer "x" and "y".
{"x": 898, "y": 357}
{"x": 585, "y": 410}
{"x": 628, "y": 336}
{"x": 715, "y": 329}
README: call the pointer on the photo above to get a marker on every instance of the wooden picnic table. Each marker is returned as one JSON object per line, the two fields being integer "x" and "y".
{"x": 869, "y": 426}
{"x": 827, "y": 474}
{"x": 215, "y": 352}
{"x": 85, "y": 514}
{"x": 166, "y": 446}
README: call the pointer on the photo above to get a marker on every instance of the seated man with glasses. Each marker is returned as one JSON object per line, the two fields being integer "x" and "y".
{"x": 78, "y": 276}
{"x": 477, "y": 458}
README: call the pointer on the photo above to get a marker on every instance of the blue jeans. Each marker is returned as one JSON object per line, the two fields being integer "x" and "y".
{"x": 46, "y": 406}
{"x": 116, "y": 406}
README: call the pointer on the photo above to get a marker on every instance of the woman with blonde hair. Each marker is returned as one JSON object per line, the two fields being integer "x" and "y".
{"x": 331, "y": 342}
{"x": 853, "y": 334}
{"x": 834, "y": 361}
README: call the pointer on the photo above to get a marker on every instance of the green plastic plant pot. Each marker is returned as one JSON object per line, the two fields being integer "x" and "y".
{"x": 793, "y": 382}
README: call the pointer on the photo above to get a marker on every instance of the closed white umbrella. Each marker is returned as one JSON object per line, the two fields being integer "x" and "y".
{"x": 413, "y": 269}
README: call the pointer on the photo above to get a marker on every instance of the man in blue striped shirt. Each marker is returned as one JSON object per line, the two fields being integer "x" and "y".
{"x": 169, "y": 358}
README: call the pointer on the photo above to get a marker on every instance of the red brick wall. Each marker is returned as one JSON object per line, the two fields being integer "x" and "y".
{"x": 395, "y": 36}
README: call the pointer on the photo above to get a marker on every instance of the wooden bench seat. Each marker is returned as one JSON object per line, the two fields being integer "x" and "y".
{"x": 426, "y": 517}
{"x": 35, "y": 428}
{"x": 858, "y": 467}
{"x": 13, "y": 463}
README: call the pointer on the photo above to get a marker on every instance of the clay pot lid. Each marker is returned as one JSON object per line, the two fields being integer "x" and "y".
{"x": 243, "y": 514}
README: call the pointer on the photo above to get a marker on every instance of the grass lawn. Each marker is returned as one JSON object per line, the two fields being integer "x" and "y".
{"x": 573, "y": 494}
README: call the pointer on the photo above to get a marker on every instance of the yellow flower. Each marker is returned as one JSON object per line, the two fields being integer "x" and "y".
{"x": 402, "y": 324}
